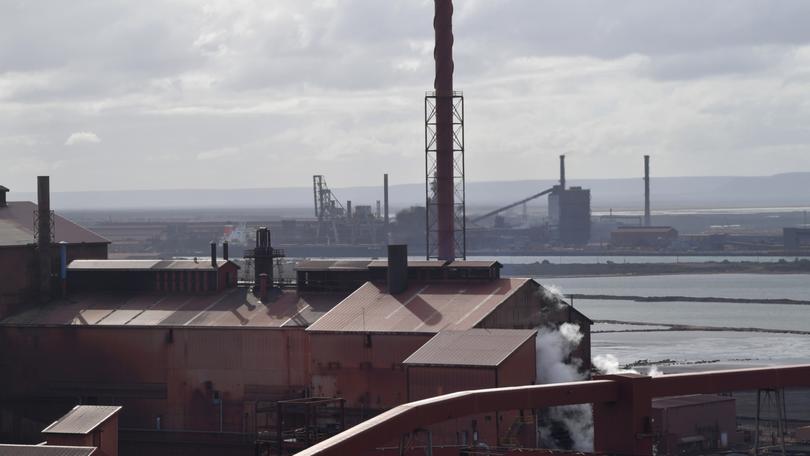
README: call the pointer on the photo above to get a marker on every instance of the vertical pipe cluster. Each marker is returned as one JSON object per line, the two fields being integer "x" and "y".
{"x": 44, "y": 237}
{"x": 443, "y": 55}
{"x": 647, "y": 218}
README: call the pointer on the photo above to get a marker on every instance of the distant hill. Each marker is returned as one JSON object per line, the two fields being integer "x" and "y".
{"x": 792, "y": 189}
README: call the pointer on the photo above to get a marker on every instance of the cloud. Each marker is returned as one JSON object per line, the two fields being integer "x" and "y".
{"x": 82, "y": 137}
{"x": 217, "y": 153}
{"x": 336, "y": 88}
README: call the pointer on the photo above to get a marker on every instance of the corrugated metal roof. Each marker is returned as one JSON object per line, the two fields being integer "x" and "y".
{"x": 230, "y": 308}
{"x": 44, "y": 450}
{"x": 144, "y": 265}
{"x": 83, "y": 419}
{"x": 474, "y": 264}
{"x": 332, "y": 265}
{"x": 473, "y": 347}
{"x": 17, "y": 227}
{"x": 425, "y": 308}
{"x": 411, "y": 263}
{"x": 686, "y": 401}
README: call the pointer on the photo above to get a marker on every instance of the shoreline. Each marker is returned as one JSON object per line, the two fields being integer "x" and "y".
{"x": 610, "y": 269}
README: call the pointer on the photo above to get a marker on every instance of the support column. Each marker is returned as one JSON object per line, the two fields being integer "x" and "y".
{"x": 625, "y": 426}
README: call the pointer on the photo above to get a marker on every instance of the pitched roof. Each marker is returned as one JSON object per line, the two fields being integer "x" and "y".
{"x": 230, "y": 308}
{"x": 44, "y": 450}
{"x": 83, "y": 419}
{"x": 473, "y": 347}
{"x": 17, "y": 227}
{"x": 424, "y": 308}
{"x": 145, "y": 265}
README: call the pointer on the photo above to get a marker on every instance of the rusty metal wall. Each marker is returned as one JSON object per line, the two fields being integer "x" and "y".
{"x": 520, "y": 367}
{"x": 365, "y": 369}
{"x": 171, "y": 373}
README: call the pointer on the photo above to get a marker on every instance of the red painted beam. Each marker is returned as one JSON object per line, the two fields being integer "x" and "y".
{"x": 730, "y": 380}
{"x": 390, "y": 425}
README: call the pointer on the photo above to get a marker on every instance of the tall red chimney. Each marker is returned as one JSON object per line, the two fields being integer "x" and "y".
{"x": 443, "y": 54}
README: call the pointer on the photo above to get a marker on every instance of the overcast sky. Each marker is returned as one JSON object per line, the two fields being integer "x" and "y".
{"x": 105, "y": 94}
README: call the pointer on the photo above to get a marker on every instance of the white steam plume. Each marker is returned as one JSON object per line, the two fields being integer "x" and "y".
{"x": 555, "y": 365}
{"x": 609, "y": 364}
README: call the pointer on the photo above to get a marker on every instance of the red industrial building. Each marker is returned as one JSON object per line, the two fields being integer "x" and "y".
{"x": 695, "y": 424}
{"x": 193, "y": 357}
{"x": 18, "y": 249}
{"x": 643, "y": 236}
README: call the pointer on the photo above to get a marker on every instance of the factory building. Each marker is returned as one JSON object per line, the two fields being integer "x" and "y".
{"x": 796, "y": 239}
{"x": 453, "y": 361}
{"x": 184, "y": 349}
{"x": 569, "y": 212}
{"x": 19, "y": 254}
{"x": 695, "y": 424}
{"x": 650, "y": 237}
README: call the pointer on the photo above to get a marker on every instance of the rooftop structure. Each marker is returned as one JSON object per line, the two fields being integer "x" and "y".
{"x": 17, "y": 227}
{"x": 473, "y": 347}
{"x": 83, "y": 419}
{"x": 45, "y": 450}
{"x": 229, "y": 308}
{"x": 423, "y": 308}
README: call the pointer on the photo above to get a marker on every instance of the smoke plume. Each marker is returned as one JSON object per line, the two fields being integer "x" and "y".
{"x": 555, "y": 365}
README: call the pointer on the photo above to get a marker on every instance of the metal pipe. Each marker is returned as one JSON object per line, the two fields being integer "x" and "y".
{"x": 562, "y": 172}
{"x": 443, "y": 55}
{"x": 647, "y": 218}
{"x": 214, "y": 255}
{"x": 44, "y": 236}
{"x": 225, "y": 250}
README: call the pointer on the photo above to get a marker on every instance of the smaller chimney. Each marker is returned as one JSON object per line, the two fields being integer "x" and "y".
{"x": 647, "y": 215}
{"x": 562, "y": 172}
{"x": 225, "y": 250}
{"x": 397, "y": 268}
{"x": 44, "y": 236}
{"x": 214, "y": 254}
{"x": 385, "y": 200}
{"x": 349, "y": 209}
{"x": 3, "y": 191}
{"x": 263, "y": 279}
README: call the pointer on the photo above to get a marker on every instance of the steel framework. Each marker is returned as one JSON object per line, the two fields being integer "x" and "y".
{"x": 434, "y": 180}
{"x": 327, "y": 209}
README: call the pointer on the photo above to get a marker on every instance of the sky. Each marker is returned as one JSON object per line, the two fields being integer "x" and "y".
{"x": 119, "y": 95}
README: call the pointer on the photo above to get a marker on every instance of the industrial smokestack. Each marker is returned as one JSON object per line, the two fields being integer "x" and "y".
{"x": 397, "y": 268}
{"x": 3, "y": 191}
{"x": 443, "y": 54}
{"x": 385, "y": 200}
{"x": 225, "y": 250}
{"x": 647, "y": 217}
{"x": 214, "y": 254}
{"x": 44, "y": 236}
{"x": 562, "y": 172}
{"x": 349, "y": 209}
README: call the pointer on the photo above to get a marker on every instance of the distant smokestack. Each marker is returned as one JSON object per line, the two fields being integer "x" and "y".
{"x": 44, "y": 236}
{"x": 214, "y": 254}
{"x": 263, "y": 285}
{"x": 378, "y": 214}
{"x": 397, "y": 268}
{"x": 225, "y": 250}
{"x": 562, "y": 172}
{"x": 3, "y": 191}
{"x": 647, "y": 217}
{"x": 349, "y": 209}
{"x": 385, "y": 200}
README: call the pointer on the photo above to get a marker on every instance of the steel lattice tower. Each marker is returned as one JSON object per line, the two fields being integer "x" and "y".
{"x": 444, "y": 149}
